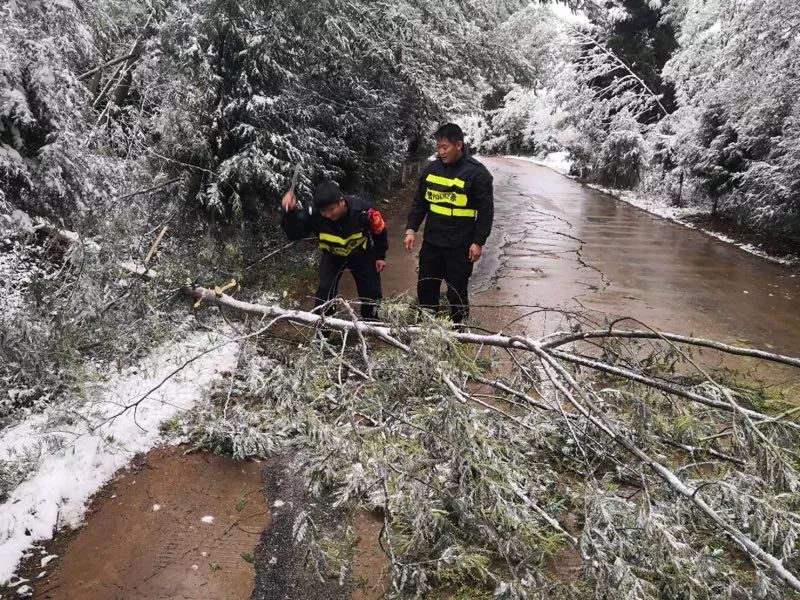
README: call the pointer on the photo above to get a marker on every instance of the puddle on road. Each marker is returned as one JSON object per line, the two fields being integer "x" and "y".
{"x": 145, "y": 537}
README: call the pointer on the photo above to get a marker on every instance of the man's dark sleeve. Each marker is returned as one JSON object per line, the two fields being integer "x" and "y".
{"x": 419, "y": 208}
{"x": 381, "y": 244}
{"x": 484, "y": 194}
{"x": 297, "y": 224}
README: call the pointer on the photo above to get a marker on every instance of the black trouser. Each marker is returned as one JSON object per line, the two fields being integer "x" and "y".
{"x": 452, "y": 265}
{"x": 368, "y": 280}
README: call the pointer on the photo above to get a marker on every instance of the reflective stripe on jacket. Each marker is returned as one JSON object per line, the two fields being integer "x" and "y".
{"x": 359, "y": 230}
{"x": 456, "y": 202}
{"x": 343, "y": 246}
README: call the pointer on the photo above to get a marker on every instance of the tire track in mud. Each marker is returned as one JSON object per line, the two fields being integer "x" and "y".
{"x": 145, "y": 539}
{"x": 282, "y": 571}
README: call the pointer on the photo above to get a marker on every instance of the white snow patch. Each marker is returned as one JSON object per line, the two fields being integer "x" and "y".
{"x": 270, "y": 297}
{"x": 278, "y": 503}
{"x": 257, "y": 101}
{"x": 22, "y": 220}
{"x": 76, "y": 458}
{"x": 208, "y": 520}
{"x": 651, "y": 205}
{"x": 557, "y": 161}
{"x": 46, "y": 560}
{"x": 565, "y": 13}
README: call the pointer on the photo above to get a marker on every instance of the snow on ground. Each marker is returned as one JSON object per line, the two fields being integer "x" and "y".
{"x": 560, "y": 162}
{"x": 77, "y": 451}
{"x": 650, "y": 205}
{"x": 679, "y": 215}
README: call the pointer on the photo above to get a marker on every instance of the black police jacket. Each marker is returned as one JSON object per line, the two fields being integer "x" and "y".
{"x": 456, "y": 201}
{"x": 351, "y": 234}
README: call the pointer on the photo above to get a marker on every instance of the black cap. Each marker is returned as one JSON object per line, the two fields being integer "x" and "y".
{"x": 450, "y": 132}
{"x": 327, "y": 193}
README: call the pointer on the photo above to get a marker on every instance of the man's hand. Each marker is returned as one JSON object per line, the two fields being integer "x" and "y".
{"x": 380, "y": 265}
{"x": 288, "y": 202}
{"x": 408, "y": 242}
{"x": 475, "y": 252}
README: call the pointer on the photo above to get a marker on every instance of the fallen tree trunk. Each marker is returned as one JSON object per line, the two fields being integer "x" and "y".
{"x": 389, "y": 335}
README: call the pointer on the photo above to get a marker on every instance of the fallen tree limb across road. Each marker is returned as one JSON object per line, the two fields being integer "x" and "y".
{"x": 659, "y": 478}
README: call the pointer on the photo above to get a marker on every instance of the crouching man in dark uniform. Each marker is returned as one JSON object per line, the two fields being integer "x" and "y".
{"x": 352, "y": 236}
{"x": 455, "y": 198}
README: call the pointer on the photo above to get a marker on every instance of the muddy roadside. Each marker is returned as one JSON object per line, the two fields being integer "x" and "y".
{"x": 172, "y": 525}
{"x": 780, "y": 248}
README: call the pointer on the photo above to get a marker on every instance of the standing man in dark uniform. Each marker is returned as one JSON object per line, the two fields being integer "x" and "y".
{"x": 455, "y": 198}
{"x": 352, "y": 236}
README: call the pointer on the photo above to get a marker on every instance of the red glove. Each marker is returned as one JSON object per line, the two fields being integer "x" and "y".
{"x": 376, "y": 223}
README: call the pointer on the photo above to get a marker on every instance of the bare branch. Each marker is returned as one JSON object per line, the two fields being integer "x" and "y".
{"x": 154, "y": 188}
{"x": 589, "y": 40}
{"x": 110, "y": 63}
{"x": 566, "y": 338}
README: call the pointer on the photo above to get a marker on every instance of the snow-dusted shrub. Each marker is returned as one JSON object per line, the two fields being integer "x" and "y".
{"x": 620, "y": 159}
{"x": 737, "y": 115}
{"x": 48, "y": 162}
